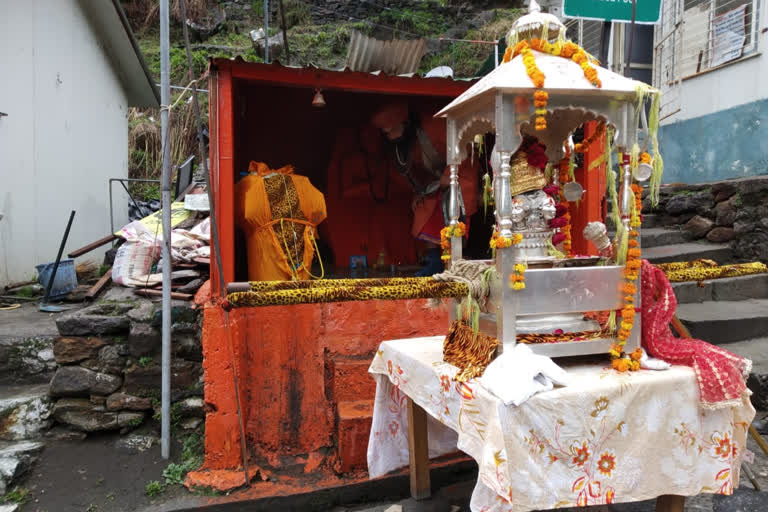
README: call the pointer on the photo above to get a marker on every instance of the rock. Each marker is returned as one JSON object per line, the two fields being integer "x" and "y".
{"x": 764, "y": 222}
{"x": 98, "y": 400}
{"x": 71, "y": 381}
{"x": 190, "y": 423}
{"x": 104, "y": 383}
{"x": 722, "y": 191}
{"x": 143, "y": 340}
{"x": 188, "y": 346}
{"x": 69, "y": 350}
{"x": 15, "y": 460}
{"x": 192, "y": 286}
{"x": 130, "y": 419}
{"x": 698, "y": 226}
{"x": 144, "y": 312}
{"x": 79, "y": 381}
{"x": 725, "y": 213}
{"x": 136, "y": 442}
{"x": 702, "y": 201}
{"x": 758, "y": 384}
{"x": 24, "y": 412}
{"x": 721, "y": 234}
{"x": 679, "y": 203}
{"x": 119, "y": 401}
{"x": 61, "y": 433}
{"x": 46, "y": 355}
{"x": 110, "y": 360}
{"x": 741, "y": 227}
{"x": 82, "y": 415}
{"x": 144, "y": 381}
{"x": 102, "y": 318}
{"x": 190, "y": 407}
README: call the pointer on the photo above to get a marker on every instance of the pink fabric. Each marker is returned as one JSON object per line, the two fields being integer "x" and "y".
{"x": 720, "y": 373}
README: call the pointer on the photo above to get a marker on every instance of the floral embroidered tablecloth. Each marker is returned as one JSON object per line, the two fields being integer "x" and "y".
{"x": 607, "y": 438}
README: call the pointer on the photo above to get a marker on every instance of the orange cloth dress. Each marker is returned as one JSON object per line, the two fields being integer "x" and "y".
{"x": 279, "y": 212}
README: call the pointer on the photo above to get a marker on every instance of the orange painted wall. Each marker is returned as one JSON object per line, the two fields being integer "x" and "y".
{"x": 280, "y": 357}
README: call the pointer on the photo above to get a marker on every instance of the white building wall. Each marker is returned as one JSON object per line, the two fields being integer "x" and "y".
{"x": 66, "y": 133}
{"x": 729, "y": 86}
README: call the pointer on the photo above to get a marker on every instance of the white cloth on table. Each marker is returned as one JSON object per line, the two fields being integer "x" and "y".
{"x": 651, "y": 363}
{"x": 518, "y": 374}
{"x": 607, "y": 437}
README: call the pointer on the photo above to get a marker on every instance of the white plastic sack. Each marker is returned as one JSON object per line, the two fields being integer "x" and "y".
{"x": 133, "y": 261}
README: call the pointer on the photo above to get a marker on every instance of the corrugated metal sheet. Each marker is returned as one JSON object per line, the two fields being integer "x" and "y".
{"x": 395, "y": 57}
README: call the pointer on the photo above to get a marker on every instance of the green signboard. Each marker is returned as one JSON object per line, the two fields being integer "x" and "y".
{"x": 646, "y": 11}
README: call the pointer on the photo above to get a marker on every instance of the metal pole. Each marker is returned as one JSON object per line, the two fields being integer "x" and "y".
{"x": 49, "y": 287}
{"x": 165, "y": 100}
{"x": 266, "y": 31}
{"x": 496, "y": 54}
{"x": 285, "y": 34}
{"x": 627, "y": 69}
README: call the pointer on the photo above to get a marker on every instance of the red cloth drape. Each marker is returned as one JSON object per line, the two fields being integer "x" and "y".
{"x": 720, "y": 374}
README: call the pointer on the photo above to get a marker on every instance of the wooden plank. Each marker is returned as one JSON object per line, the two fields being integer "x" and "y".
{"x": 758, "y": 439}
{"x": 670, "y": 503}
{"x": 100, "y": 284}
{"x": 92, "y": 246}
{"x": 418, "y": 449}
{"x": 159, "y": 293}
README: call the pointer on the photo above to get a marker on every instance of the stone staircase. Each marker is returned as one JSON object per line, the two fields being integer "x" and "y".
{"x": 732, "y": 312}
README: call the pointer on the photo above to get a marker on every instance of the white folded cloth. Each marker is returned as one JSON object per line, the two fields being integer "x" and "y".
{"x": 651, "y": 363}
{"x": 518, "y": 374}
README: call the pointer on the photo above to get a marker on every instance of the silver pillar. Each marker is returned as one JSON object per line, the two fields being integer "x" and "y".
{"x": 453, "y": 205}
{"x": 504, "y": 198}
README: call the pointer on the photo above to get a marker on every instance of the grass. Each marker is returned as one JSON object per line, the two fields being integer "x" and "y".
{"x": 145, "y": 361}
{"x": 27, "y": 292}
{"x": 154, "y": 488}
{"x": 18, "y": 495}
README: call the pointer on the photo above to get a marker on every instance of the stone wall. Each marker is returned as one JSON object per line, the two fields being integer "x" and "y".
{"x": 109, "y": 375}
{"x": 734, "y": 212}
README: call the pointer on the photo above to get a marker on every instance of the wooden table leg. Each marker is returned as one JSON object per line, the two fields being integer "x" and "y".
{"x": 418, "y": 448}
{"x": 670, "y": 503}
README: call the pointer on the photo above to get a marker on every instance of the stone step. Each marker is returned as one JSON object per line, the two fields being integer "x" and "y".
{"x": 650, "y": 221}
{"x": 354, "y": 429}
{"x": 350, "y": 380}
{"x": 656, "y": 237}
{"x": 15, "y": 459}
{"x": 729, "y": 289}
{"x": 725, "y": 321}
{"x": 25, "y": 411}
{"x": 756, "y": 350}
{"x": 689, "y": 251}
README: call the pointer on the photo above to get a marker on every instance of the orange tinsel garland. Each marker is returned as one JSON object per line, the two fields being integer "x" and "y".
{"x": 621, "y": 361}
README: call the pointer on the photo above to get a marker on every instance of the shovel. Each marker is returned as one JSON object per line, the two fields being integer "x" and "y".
{"x": 44, "y": 306}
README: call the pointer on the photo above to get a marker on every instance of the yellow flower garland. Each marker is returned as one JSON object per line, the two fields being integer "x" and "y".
{"x": 446, "y": 234}
{"x": 498, "y": 241}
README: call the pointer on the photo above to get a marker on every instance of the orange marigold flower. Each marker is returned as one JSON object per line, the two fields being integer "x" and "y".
{"x": 634, "y": 365}
{"x": 632, "y": 243}
{"x": 629, "y": 289}
{"x": 634, "y": 253}
{"x": 636, "y": 354}
{"x": 623, "y": 365}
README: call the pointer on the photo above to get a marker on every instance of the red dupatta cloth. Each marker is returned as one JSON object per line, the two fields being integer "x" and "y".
{"x": 721, "y": 375}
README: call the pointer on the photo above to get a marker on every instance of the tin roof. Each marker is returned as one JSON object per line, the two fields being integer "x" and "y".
{"x": 394, "y": 57}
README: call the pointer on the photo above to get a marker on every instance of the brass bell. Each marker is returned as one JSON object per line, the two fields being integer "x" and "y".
{"x": 318, "y": 101}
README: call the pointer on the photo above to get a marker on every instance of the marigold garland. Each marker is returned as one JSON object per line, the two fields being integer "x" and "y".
{"x": 499, "y": 242}
{"x": 565, "y": 229}
{"x": 645, "y": 158}
{"x": 517, "y": 277}
{"x": 621, "y": 361}
{"x": 445, "y": 238}
{"x": 583, "y": 146}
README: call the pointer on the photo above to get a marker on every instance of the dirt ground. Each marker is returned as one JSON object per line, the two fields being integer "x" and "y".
{"x": 95, "y": 475}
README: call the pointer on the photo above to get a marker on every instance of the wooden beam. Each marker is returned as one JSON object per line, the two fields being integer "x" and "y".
{"x": 159, "y": 293}
{"x": 670, "y": 503}
{"x": 758, "y": 439}
{"x": 418, "y": 448}
{"x": 100, "y": 284}
{"x": 92, "y": 246}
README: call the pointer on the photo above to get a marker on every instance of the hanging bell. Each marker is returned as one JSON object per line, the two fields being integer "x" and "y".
{"x": 642, "y": 172}
{"x": 318, "y": 101}
{"x": 572, "y": 191}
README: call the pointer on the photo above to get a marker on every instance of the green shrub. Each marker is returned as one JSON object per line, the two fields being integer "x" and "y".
{"x": 154, "y": 488}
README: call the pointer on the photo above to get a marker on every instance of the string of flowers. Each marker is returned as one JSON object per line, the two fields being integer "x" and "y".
{"x": 621, "y": 361}
{"x": 645, "y": 158}
{"x": 446, "y": 234}
{"x": 517, "y": 277}
{"x": 583, "y": 146}
{"x": 567, "y": 50}
{"x": 565, "y": 229}
{"x": 499, "y": 242}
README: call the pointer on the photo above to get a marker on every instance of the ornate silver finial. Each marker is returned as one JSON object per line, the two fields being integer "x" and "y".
{"x": 537, "y": 25}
